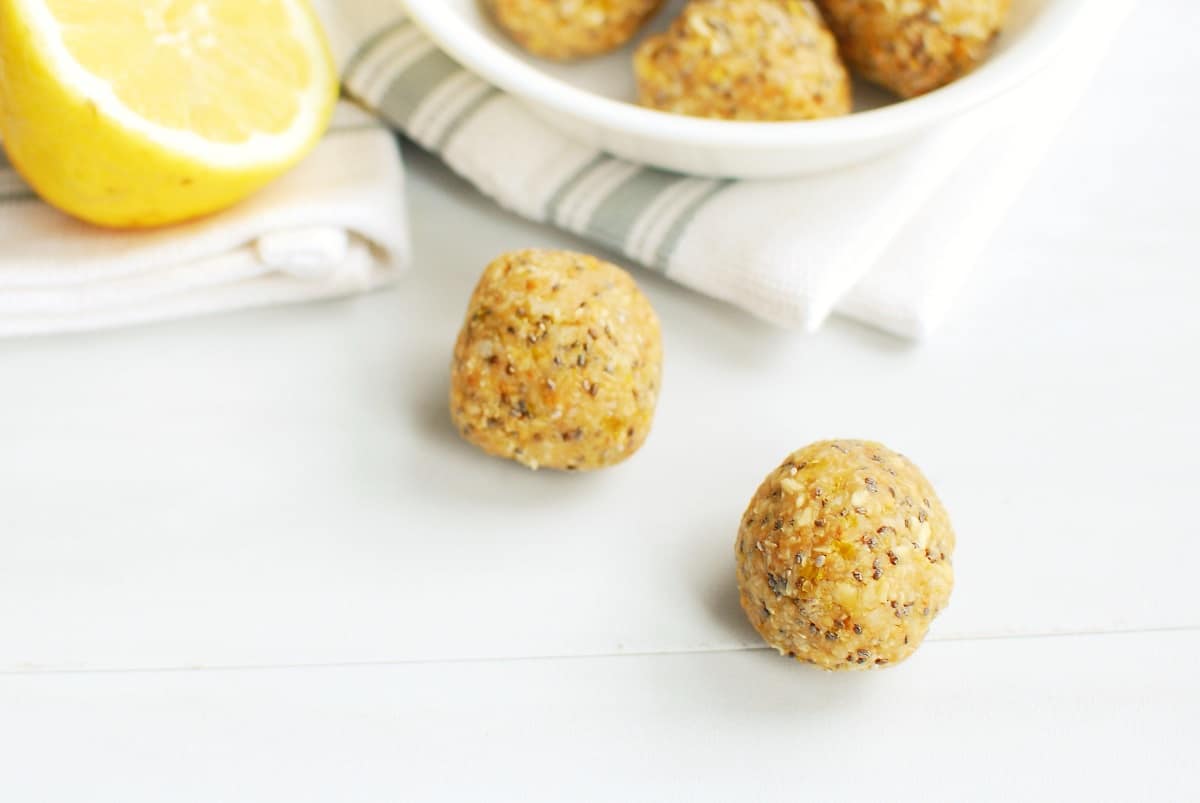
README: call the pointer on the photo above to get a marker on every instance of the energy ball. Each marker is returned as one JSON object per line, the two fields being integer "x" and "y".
{"x": 570, "y": 29}
{"x": 914, "y": 46}
{"x": 844, "y": 556}
{"x": 558, "y": 363}
{"x": 744, "y": 60}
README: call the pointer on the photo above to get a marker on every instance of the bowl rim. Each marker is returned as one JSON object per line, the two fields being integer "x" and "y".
{"x": 1000, "y": 73}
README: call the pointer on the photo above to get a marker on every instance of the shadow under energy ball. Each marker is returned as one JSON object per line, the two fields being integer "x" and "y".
{"x": 844, "y": 556}
{"x": 558, "y": 363}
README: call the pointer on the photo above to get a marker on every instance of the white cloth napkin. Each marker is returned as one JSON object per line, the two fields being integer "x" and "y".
{"x": 334, "y": 225}
{"x": 889, "y": 242}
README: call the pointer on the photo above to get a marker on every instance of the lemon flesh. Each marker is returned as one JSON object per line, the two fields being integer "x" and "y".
{"x": 136, "y": 113}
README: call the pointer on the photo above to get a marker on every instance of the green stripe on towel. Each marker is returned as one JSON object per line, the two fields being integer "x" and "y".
{"x": 409, "y": 87}
{"x": 371, "y": 42}
{"x": 614, "y": 219}
{"x": 12, "y": 187}
{"x": 570, "y": 184}
{"x": 464, "y": 116}
{"x": 666, "y": 249}
{"x": 17, "y": 195}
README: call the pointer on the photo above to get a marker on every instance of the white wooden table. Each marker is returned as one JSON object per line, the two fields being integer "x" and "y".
{"x": 245, "y": 558}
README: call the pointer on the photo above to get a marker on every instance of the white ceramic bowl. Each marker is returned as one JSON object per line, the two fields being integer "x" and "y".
{"x": 591, "y": 100}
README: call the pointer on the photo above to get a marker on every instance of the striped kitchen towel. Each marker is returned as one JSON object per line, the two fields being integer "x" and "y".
{"x": 334, "y": 225}
{"x": 889, "y": 242}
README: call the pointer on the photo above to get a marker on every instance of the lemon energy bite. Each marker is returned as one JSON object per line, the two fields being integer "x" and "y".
{"x": 914, "y": 46}
{"x": 570, "y": 29}
{"x": 558, "y": 363}
{"x": 844, "y": 556}
{"x": 744, "y": 60}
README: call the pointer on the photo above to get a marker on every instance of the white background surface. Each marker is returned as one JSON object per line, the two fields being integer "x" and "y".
{"x": 282, "y": 490}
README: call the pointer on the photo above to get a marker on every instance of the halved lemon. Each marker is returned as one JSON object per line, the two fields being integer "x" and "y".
{"x": 136, "y": 113}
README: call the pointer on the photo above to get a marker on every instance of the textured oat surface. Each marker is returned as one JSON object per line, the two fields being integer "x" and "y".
{"x": 558, "y": 363}
{"x": 844, "y": 556}
{"x": 914, "y": 46}
{"x": 569, "y": 29}
{"x": 744, "y": 60}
